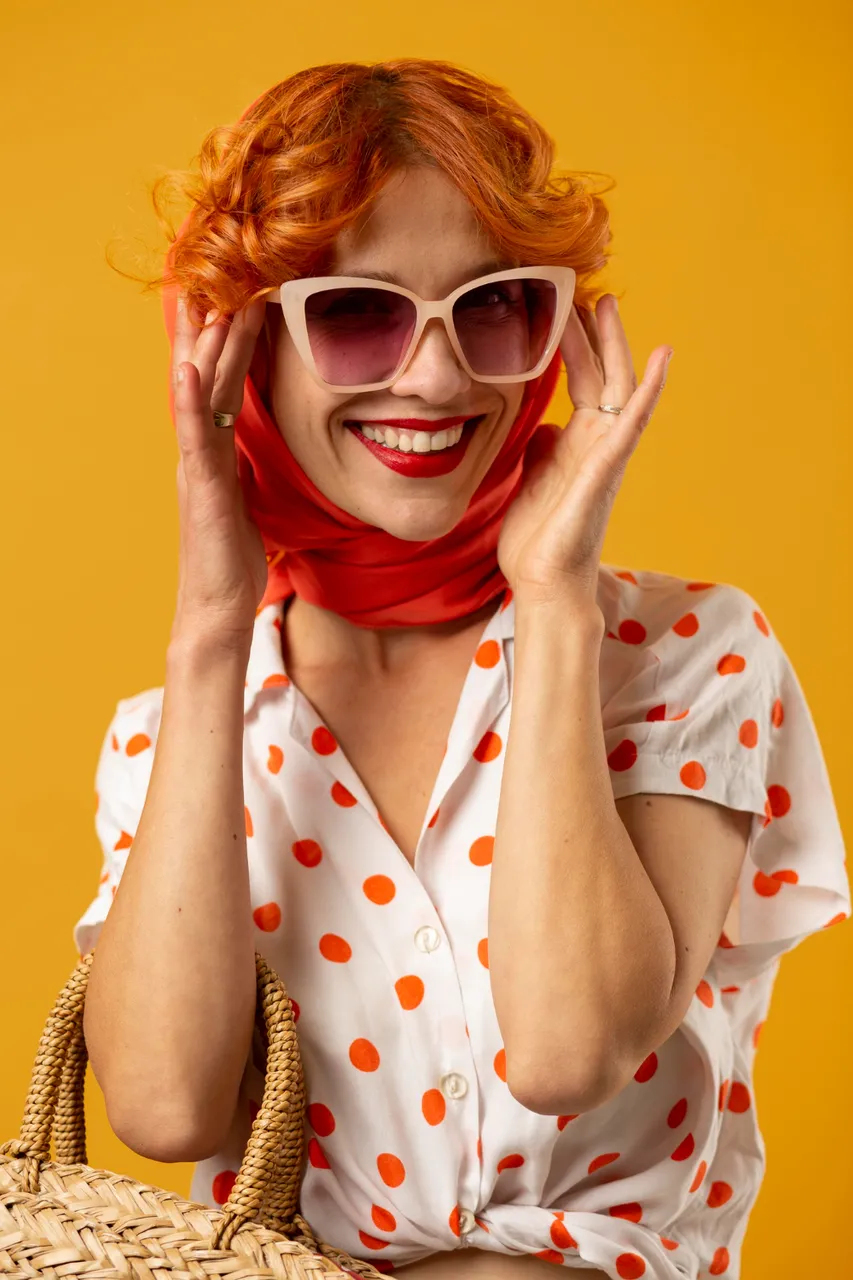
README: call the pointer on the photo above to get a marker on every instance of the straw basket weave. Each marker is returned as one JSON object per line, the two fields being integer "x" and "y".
{"x": 62, "y": 1218}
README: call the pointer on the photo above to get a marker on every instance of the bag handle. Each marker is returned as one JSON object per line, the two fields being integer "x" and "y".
{"x": 267, "y": 1185}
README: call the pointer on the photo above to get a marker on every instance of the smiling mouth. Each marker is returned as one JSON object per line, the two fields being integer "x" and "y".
{"x": 405, "y": 440}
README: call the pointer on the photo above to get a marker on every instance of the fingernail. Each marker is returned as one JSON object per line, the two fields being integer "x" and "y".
{"x": 211, "y": 316}
{"x": 669, "y": 357}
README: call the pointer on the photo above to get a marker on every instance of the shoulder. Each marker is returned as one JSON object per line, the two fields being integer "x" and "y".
{"x": 645, "y": 607}
{"x": 127, "y": 750}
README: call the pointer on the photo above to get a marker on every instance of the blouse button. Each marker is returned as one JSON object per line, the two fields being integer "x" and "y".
{"x": 467, "y": 1221}
{"x": 427, "y": 938}
{"x": 454, "y": 1085}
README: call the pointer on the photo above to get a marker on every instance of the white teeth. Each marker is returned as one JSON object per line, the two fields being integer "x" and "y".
{"x": 405, "y": 441}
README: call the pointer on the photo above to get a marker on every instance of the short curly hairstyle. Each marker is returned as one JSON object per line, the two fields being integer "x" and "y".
{"x": 309, "y": 157}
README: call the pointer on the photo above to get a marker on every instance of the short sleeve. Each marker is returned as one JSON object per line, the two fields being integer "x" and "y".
{"x": 121, "y": 784}
{"x": 699, "y": 698}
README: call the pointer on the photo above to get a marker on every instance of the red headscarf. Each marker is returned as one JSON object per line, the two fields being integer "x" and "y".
{"x": 336, "y": 561}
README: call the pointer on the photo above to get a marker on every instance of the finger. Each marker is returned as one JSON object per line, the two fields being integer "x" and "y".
{"x": 620, "y": 381}
{"x": 236, "y": 358}
{"x": 584, "y": 374}
{"x": 634, "y": 418}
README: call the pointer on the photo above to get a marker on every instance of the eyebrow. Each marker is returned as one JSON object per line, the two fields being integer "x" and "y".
{"x": 388, "y": 277}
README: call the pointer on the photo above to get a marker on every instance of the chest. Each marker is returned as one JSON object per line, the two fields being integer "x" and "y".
{"x": 394, "y": 733}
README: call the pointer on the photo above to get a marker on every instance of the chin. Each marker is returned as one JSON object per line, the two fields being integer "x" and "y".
{"x": 416, "y": 526}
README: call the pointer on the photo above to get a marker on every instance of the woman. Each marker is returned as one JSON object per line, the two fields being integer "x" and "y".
{"x": 529, "y": 959}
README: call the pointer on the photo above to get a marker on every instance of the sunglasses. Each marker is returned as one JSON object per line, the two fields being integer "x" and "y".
{"x": 354, "y": 334}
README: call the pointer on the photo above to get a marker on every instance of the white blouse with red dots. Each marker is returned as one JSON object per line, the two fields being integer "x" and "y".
{"x": 413, "y": 1142}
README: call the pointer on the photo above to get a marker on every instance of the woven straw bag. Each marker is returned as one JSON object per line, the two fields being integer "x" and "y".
{"x": 62, "y": 1218}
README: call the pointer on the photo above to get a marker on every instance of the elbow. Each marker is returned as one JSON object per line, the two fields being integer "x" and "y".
{"x": 551, "y": 1090}
{"x": 167, "y": 1139}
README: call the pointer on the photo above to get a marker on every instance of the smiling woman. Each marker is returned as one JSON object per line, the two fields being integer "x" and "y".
{"x": 524, "y": 833}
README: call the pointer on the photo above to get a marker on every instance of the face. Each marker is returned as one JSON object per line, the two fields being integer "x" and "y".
{"x": 421, "y": 230}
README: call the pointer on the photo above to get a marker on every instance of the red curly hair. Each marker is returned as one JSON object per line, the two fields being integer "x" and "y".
{"x": 309, "y": 157}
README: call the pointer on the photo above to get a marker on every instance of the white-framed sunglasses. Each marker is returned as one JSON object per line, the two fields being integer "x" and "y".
{"x": 358, "y": 334}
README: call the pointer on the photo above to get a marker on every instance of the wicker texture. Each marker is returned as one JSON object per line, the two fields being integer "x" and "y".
{"x": 62, "y": 1218}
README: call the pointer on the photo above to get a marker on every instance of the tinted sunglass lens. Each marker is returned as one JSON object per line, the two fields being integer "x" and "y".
{"x": 503, "y": 327}
{"x": 358, "y": 334}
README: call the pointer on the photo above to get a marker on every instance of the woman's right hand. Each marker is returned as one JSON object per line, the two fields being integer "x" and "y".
{"x": 223, "y": 566}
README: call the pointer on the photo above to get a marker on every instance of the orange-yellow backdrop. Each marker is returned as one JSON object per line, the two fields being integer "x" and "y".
{"x": 727, "y": 131}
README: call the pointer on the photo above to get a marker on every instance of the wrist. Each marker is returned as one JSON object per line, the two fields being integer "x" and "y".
{"x": 566, "y": 613}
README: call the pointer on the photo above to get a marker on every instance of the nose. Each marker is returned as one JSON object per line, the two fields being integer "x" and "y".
{"x": 433, "y": 373}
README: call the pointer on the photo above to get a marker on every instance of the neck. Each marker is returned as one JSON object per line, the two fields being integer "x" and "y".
{"x": 315, "y": 638}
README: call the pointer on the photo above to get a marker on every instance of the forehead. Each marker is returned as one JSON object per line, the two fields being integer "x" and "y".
{"x": 421, "y": 229}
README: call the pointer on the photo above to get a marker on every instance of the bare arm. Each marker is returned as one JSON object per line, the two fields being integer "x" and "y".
{"x": 171, "y": 1001}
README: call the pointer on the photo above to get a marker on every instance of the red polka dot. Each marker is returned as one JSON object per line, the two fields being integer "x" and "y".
{"x": 780, "y": 801}
{"x": 488, "y": 748}
{"x": 384, "y": 1220}
{"x": 656, "y": 713}
{"x": 275, "y": 759}
{"x": 646, "y": 1069}
{"x": 114, "y": 742}
{"x": 677, "y": 1114}
{"x": 488, "y": 654}
{"x": 700, "y": 1174}
{"x": 247, "y": 818}
{"x": 730, "y": 664}
{"x": 623, "y": 756}
{"x": 748, "y": 733}
{"x": 481, "y": 851}
{"x": 316, "y": 1155}
{"x": 685, "y": 1149}
{"x": 295, "y": 1008}
{"x": 433, "y": 1106}
{"x": 222, "y": 1185}
{"x": 627, "y": 576}
{"x": 370, "y": 1242}
{"x": 561, "y": 1237}
{"x": 756, "y": 1034}
{"x": 267, "y": 917}
{"x": 562, "y": 1121}
{"x": 500, "y": 1064}
{"x": 549, "y": 1255}
{"x": 700, "y": 586}
{"x": 718, "y": 1194}
{"x": 139, "y": 742}
{"x": 308, "y": 852}
{"x": 687, "y": 626}
{"x": 723, "y": 1094}
{"x": 724, "y": 941}
{"x": 600, "y": 1161}
{"x": 769, "y": 886}
{"x": 341, "y": 796}
{"x": 453, "y": 1221}
{"x": 277, "y": 680}
{"x": 705, "y": 994}
{"x": 364, "y": 1055}
{"x": 333, "y": 947}
{"x": 392, "y": 1171}
{"x": 515, "y": 1161}
{"x": 323, "y": 741}
{"x": 434, "y": 819}
{"x": 630, "y": 1266}
{"x": 379, "y": 889}
{"x": 410, "y": 991}
{"x": 483, "y": 952}
{"x": 738, "y": 1097}
{"x": 631, "y": 631}
{"x": 720, "y": 1261}
{"x": 777, "y": 715}
{"x": 320, "y": 1119}
{"x": 507, "y": 600}
{"x": 761, "y": 622}
{"x": 668, "y": 1244}
{"x": 630, "y": 1212}
{"x": 693, "y": 775}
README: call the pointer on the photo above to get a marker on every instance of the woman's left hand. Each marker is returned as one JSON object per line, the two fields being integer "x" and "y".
{"x": 551, "y": 538}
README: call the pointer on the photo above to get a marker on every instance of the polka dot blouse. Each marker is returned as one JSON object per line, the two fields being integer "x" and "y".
{"x": 414, "y": 1144}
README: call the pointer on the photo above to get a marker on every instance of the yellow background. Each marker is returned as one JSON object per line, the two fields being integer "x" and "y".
{"x": 727, "y": 129}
